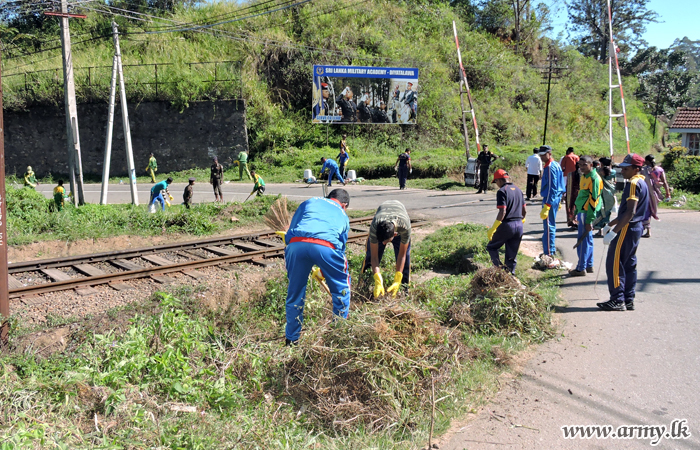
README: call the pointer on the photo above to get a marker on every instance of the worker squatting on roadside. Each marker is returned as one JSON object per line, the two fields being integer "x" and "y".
{"x": 390, "y": 224}
{"x": 30, "y": 178}
{"x": 552, "y": 190}
{"x": 157, "y": 195}
{"x": 623, "y": 235}
{"x": 589, "y": 205}
{"x": 318, "y": 234}
{"x": 333, "y": 169}
{"x": 507, "y": 229}
{"x": 188, "y": 193}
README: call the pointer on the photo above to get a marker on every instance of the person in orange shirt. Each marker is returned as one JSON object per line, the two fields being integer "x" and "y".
{"x": 569, "y": 168}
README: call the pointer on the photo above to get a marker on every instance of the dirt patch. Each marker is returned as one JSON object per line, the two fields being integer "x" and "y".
{"x": 531, "y": 248}
{"x": 44, "y": 343}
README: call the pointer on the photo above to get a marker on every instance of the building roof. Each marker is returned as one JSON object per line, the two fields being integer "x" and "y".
{"x": 686, "y": 118}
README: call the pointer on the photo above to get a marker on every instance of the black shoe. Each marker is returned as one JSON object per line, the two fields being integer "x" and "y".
{"x": 288, "y": 343}
{"x": 612, "y": 305}
{"x": 629, "y": 304}
{"x": 479, "y": 191}
{"x": 577, "y": 273}
{"x": 589, "y": 270}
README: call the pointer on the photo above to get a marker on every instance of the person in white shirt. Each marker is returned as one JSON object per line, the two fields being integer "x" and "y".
{"x": 534, "y": 171}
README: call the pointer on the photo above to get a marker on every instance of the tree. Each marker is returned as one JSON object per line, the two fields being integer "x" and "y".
{"x": 589, "y": 23}
{"x": 664, "y": 79}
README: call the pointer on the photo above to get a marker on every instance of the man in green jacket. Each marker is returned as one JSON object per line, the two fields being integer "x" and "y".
{"x": 152, "y": 168}
{"x": 243, "y": 166}
{"x": 588, "y": 208}
{"x": 259, "y": 185}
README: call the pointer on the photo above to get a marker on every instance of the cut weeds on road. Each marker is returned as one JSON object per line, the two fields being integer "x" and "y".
{"x": 170, "y": 373}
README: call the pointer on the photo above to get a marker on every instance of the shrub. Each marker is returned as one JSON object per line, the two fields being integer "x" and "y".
{"x": 685, "y": 174}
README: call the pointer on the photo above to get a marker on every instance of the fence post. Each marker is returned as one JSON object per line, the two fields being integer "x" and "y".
{"x": 156, "y": 66}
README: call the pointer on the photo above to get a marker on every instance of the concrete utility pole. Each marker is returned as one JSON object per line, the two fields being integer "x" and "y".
{"x": 108, "y": 140}
{"x": 125, "y": 118}
{"x": 75, "y": 163}
{"x": 4, "y": 294}
{"x": 551, "y": 74}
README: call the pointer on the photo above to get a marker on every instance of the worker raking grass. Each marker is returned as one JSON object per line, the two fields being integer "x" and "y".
{"x": 317, "y": 234}
{"x": 507, "y": 229}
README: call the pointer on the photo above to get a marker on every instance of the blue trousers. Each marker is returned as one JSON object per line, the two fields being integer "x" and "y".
{"x": 509, "y": 234}
{"x": 550, "y": 229}
{"x": 585, "y": 248}
{"x": 403, "y": 176}
{"x": 338, "y": 175}
{"x": 159, "y": 198}
{"x": 396, "y": 242}
{"x": 299, "y": 258}
{"x": 621, "y": 264}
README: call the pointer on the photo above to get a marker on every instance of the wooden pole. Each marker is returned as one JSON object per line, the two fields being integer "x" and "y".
{"x": 4, "y": 294}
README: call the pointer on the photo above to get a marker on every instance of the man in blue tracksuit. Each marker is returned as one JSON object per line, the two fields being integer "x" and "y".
{"x": 156, "y": 192}
{"x": 623, "y": 234}
{"x": 552, "y": 189}
{"x": 332, "y": 167}
{"x": 317, "y": 235}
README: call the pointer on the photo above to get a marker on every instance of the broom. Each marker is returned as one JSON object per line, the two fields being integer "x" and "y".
{"x": 277, "y": 219}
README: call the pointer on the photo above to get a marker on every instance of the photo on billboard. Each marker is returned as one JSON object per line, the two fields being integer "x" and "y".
{"x": 358, "y": 94}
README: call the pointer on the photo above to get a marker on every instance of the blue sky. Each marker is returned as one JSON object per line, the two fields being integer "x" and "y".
{"x": 677, "y": 18}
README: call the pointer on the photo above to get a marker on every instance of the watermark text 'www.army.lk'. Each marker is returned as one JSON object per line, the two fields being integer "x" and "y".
{"x": 678, "y": 429}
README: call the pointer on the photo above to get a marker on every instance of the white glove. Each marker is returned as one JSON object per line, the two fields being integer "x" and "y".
{"x": 410, "y": 171}
{"x": 606, "y": 229}
{"x": 609, "y": 237}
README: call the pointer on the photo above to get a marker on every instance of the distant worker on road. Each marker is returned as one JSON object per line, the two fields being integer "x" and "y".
{"x": 217, "y": 174}
{"x": 403, "y": 167}
{"x": 343, "y": 159}
{"x": 152, "y": 167}
{"x": 533, "y": 165}
{"x": 59, "y": 196}
{"x": 157, "y": 192}
{"x": 259, "y": 186}
{"x": 507, "y": 229}
{"x": 30, "y": 178}
{"x": 552, "y": 191}
{"x": 484, "y": 161}
{"x": 318, "y": 234}
{"x": 243, "y": 166}
{"x": 391, "y": 224}
{"x": 623, "y": 235}
{"x": 188, "y": 193}
{"x": 333, "y": 169}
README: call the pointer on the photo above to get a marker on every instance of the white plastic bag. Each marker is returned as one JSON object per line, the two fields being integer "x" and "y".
{"x": 152, "y": 208}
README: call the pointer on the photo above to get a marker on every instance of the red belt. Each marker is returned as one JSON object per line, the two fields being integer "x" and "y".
{"x": 312, "y": 241}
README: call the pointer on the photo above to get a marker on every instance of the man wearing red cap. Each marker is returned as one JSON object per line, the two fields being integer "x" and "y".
{"x": 508, "y": 228}
{"x": 623, "y": 234}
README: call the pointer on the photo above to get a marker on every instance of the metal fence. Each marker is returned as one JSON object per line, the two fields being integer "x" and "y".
{"x": 155, "y": 81}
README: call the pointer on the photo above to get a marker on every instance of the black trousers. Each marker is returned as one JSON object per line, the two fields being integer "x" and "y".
{"x": 532, "y": 185}
{"x": 403, "y": 176}
{"x": 484, "y": 178}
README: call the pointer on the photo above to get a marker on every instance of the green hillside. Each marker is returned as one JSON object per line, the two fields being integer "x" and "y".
{"x": 277, "y": 52}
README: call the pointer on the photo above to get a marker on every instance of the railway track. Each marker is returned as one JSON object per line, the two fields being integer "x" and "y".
{"x": 81, "y": 272}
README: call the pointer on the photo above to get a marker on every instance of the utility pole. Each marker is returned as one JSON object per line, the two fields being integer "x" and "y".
{"x": 125, "y": 118}
{"x": 75, "y": 163}
{"x": 108, "y": 140}
{"x": 4, "y": 289}
{"x": 551, "y": 73}
{"x": 656, "y": 111}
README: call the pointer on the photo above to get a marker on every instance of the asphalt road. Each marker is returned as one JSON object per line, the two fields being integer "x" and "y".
{"x": 629, "y": 368}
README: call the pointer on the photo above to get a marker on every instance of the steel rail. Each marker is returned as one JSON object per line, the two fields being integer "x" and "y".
{"x": 64, "y": 261}
{"x": 175, "y": 267}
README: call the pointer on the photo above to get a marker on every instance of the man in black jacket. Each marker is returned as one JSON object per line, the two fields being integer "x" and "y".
{"x": 348, "y": 107}
{"x": 484, "y": 161}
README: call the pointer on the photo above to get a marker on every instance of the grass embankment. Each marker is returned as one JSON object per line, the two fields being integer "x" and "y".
{"x": 364, "y": 382}
{"x": 31, "y": 218}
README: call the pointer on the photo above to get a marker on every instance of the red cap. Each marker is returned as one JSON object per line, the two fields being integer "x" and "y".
{"x": 500, "y": 174}
{"x": 324, "y": 86}
{"x": 632, "y": 159}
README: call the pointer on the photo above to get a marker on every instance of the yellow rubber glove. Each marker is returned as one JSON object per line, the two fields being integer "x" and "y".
{"x": 317, "y": 275}
{"x": 283, "y": 235}
{"x": 171, "y": 197}
{"x": 493, "y": 229}
{"x": 378, "y": 285}
{"x": 523, "y": 220}
{"x": 545, "y": 212}
{"x": 394, "y": 288}
{"x": 561, "y": 204}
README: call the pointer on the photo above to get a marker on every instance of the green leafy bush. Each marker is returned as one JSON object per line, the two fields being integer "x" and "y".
{"x": 685, "y": 174}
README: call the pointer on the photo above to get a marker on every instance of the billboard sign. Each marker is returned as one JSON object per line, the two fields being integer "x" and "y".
{"x": 358, "y": 94}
